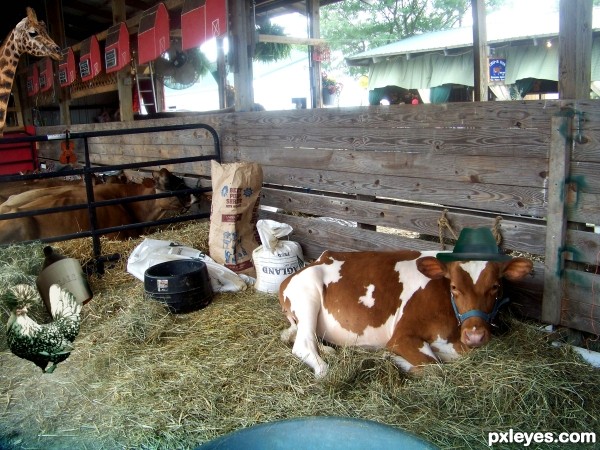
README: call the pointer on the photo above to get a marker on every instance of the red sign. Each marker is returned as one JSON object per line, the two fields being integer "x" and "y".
{"x": 202, "y": 20}
{"x": 46, "y": 75}
{"x": 116, "y": 52}
{"x": 216, "y": 18}
{"x": 66, "y": 68}
{"x": 193, "y": 29}
{"x": 153, "y": 33}
{"x": 33, "y": 86}
{"x": 90, "y": 63}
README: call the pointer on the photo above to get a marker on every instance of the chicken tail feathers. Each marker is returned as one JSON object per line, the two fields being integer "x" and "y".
{"x": 62, "y": 303}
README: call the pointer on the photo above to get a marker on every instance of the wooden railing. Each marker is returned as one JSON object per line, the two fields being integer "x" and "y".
{"x": 414, "y": 176}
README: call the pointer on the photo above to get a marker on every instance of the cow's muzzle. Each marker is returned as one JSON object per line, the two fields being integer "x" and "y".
{"x": 475, "y": 337}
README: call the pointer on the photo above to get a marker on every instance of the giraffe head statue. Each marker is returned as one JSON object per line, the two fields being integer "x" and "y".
{"x": 29, "y": 36}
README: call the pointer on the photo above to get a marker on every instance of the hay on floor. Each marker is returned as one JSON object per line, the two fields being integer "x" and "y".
{"x": 141, "y": 377}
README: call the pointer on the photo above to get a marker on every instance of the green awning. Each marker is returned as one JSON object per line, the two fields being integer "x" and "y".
{"x": 434, "y": 69}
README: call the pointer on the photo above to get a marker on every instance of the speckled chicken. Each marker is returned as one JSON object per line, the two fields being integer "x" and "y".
{"x": 47, "y": 343}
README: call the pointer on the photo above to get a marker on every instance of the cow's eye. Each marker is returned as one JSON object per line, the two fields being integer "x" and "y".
{"x": 453, "y": 288}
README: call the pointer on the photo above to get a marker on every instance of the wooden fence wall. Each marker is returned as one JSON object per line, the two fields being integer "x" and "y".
{"x": 388, "y": 176}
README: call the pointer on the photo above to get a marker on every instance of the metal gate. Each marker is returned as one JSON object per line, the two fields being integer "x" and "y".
{"x": 87, "y": 171}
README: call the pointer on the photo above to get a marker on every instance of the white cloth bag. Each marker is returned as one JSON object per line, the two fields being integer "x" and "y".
{"x": 154, "y": 251}
{"x": 275, "y": 259}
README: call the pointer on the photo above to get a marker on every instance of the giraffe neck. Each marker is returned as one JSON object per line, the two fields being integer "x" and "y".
{"x": 9, "y": 59}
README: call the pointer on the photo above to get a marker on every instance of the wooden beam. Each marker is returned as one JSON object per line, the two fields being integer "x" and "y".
{"x": 480, "y": 59}
{"x": 124, "y": 80}
{"x": 57, "y": 33}
{"x": 314, "y": 19}
{"x": 242, "y": 34}
{"x": 556, "y": 219}
{"x": 290, "y": 40}
{"x": 575, "y": 49}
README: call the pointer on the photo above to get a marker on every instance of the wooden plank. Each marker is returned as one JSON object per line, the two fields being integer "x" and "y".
{"x": 529, "y": 143}
{"x": 556, "y": 218}
{"x": 315, "y": 236}
{"x": 585, "y": 176}
{"x": 501, "y": 199}
{"x": 581, "y": 305}
{"x": 200, "y": 138}
{"x": 528, "y": 172}
{"x": 586, "y": 145}
{"x": 583, "y": 247}
{"x": 290, "y": 40}
{"x": 466, "y": 116}
{"x": 583, "y": 207}
{"x": 525, "y": 236}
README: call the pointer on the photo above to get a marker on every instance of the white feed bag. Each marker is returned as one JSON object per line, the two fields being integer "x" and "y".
{"x": 275, "y": 259}
{"x": 154, "y": 251}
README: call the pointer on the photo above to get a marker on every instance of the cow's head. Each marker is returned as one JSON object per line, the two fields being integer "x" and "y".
{"x": 475, "y": 290}
{"x": 165, "y": 181}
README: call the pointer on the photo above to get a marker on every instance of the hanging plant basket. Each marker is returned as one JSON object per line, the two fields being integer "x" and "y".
{"x": 271, "y": 51}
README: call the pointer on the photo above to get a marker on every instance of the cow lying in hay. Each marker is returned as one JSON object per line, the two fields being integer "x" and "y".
{"x": 424, "y": 307}
{"x": 73, "y": 221}
{"x": 12, "y": 188}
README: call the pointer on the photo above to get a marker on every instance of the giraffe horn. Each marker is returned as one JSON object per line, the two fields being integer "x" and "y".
{"x": 31, "y": 14}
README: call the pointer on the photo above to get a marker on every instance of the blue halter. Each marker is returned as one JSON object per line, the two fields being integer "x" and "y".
{"x": 477, "y": 312}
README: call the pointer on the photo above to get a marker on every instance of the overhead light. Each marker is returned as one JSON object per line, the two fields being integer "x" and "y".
{"x": 407, "y": 56}
{"x": 548, "y": 43}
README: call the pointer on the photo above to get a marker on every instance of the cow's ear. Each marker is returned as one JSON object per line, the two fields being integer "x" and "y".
{"x": 161, "y": 177}
{"x": 517, "y": 268}
{"x": 431, "y": 267}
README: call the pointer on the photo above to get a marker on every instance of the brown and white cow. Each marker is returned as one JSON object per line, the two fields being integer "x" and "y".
{"x": 73, "y": 221}
{"x": 421, "y": 309}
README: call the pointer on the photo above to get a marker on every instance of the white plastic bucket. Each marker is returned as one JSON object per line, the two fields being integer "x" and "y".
{"x": 68, "y": 274}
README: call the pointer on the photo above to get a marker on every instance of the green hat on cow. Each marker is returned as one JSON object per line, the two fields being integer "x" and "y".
{"x": 474, "y": 244}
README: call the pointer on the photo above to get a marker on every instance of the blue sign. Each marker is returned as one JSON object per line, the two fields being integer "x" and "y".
{"x": 497, "y": 69}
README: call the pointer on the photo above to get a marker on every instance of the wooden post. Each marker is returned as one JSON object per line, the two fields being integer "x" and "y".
{"x": 556, "y": 219}
{"x": 124, "y": 81}
{"x": 221, "y": 77}
{"x": 480, "y": 54}
{"x": 242, "y": 34}
{"x": 314, "y": 17}
{"x": 57, "y": 33}
{"x": 575, "y": 49}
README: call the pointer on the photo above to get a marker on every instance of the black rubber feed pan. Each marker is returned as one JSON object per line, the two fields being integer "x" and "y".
{"x": 182, "y": 285}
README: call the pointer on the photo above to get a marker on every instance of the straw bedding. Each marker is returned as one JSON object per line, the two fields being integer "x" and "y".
{"x": 141, "y": 377}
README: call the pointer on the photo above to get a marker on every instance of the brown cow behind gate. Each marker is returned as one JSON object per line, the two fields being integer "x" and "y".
{"x": 67, "y": 222}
